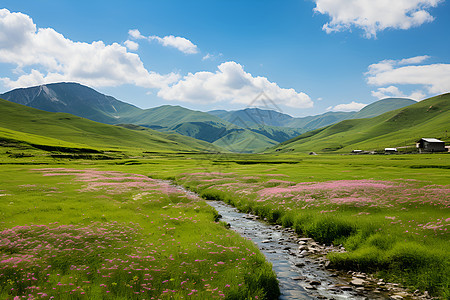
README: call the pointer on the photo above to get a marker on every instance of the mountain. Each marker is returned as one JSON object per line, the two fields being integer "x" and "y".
{"x": 85, "y": 102}
{"x": 72, "y": 98}
{"x": 398, "y": 128}
{"x": 380, "y": 107}
{"x": 258, "y": 128}
{"x": 253, "y": 116}
{"x": 325, "y": 119}
{"x": 250, "y": 117}
{"x": 69, "y": 133}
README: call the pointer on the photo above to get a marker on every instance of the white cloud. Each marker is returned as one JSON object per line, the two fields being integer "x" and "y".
{"x": 207, "y": 56}
{"x": 352, "y": 106}
{"x": 210, "y": 56}
{"x": 413, "y": 60}
{"x": 373, "y": 16}
{"x": 53, "y": 57}
{"x": 133, "y": 46}
{"x": 394, "y": 92}
{"x": 231, "y": 83}
{"x": 435, "y": 78}
{"x": 136, "y": 34}
{"x": 180, "y": 43}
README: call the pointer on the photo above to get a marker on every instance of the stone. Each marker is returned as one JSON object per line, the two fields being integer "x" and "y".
{"x": 299, "y": 278}
{"x": 299, "y": 264}
{"x": 306, "y": 240}
{"x": 266, "y": 241}
{"x": 310, "y": 287}
{"x": 315, "y": 282}
{"x": 358, "y": 282}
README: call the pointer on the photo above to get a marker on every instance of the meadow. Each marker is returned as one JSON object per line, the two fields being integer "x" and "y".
{"x": 139, "y": 237}
{"x": 81, "y": 233}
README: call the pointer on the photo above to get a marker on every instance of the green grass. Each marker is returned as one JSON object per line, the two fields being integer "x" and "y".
{"x": 399, "y": 233}
{"x": 32, "y": 126}
{"x": 398, "y": 128}
{"x": 72, "y": 233}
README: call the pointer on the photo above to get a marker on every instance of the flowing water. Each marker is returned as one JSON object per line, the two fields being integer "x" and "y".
{"x": 299, "y": 277}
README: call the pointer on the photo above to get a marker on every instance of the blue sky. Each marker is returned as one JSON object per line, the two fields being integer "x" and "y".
{"x": 307, "y": 56}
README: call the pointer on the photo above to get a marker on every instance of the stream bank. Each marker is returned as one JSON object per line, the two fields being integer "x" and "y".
{"x": 301, "y": 265}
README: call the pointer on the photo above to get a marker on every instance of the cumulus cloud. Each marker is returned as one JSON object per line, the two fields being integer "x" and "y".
{"x": 395, "y": 92}
{"x": 352, "y": 106}
{"x": 373, "y": 16}
{"x": 180, "y": 43}
{"x": 53, "y": 57}
{"x": 133, "y": 46}
{"x": 435, "y": 78}
{"x": 231, "y": 83}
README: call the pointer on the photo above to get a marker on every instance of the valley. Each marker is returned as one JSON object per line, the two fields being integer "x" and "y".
{"x": 70, "y": 185}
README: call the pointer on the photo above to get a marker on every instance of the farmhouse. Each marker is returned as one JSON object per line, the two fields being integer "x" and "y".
{"x": 390, "y": 150}
{"x": 357, "y": 151}
{"x": 431, "y": 145}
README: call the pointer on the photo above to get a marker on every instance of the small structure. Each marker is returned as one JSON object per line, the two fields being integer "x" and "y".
{"x": 357, "y": 151}
{"x": 390, "y": 150}
{"x": 430, "y": 145}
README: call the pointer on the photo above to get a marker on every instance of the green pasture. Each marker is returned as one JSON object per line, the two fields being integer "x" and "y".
{"x": 72, "y": 239}
{"x": 375, "y": 237}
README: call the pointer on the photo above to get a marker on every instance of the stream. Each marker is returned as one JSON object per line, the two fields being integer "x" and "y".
{"x": 299, "y": 276}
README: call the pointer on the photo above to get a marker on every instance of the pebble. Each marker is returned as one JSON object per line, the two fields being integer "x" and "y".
{"x": 358, "y": 282}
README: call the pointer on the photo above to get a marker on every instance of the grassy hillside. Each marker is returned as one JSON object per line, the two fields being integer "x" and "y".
{"x": 168, "y": 116}
{"x": 244, "y": 141}
{"x": 36, "y": 127}
{"x": 398, "y": 128}
{"x": 382, "y": 106}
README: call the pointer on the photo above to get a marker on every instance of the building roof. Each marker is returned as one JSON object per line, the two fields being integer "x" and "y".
{"x": 390, "y": 149}
{"x": 431, "y": 140}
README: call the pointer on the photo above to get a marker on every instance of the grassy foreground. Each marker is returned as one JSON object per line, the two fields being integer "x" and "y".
{"x": 391, "y": 212}
{"x": 71, "y": 233}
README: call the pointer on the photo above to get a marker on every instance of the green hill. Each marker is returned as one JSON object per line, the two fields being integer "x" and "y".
{"x": 398, "y": 128}
{"x": 252, "y": 117}
{"x": 244, "y": 141}
{"x": 259, "y": 128}
{"x": 85, "y": 102}
{"x": 382, "y": 106}
{"x": 47, "y": 130}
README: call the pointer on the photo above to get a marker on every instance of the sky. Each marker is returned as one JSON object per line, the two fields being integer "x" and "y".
{"x": 302, "y": 57}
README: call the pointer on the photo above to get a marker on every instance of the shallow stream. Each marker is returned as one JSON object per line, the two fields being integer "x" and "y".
{"x": 299, "y": 276}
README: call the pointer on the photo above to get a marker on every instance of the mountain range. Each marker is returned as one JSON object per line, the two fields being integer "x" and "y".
{"x": 25, "y": 127}
{"x": 397, "y": 128}
{"x": 246, "y": 131}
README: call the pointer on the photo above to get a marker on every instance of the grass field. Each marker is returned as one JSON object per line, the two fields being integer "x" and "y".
{"x": 70, "y": 233}
{"x": 390, "y": 212}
